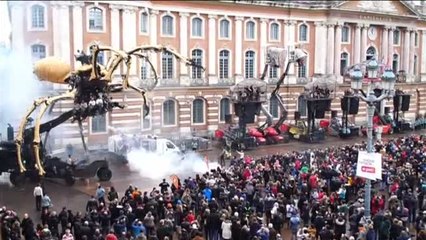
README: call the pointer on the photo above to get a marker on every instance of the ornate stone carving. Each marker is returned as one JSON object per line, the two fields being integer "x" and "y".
{"x": 377, "y": 6}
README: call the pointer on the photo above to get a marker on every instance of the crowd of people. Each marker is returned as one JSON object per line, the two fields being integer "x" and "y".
{"x": 313, "y": 194}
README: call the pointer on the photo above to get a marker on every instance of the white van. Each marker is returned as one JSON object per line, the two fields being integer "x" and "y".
{"x": 122, "y": 144}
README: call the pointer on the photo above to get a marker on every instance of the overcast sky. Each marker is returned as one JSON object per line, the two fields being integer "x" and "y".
{"x": 5, "y": 28}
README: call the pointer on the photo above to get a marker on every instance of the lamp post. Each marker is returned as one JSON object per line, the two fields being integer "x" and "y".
{"x": 388, "y": 84}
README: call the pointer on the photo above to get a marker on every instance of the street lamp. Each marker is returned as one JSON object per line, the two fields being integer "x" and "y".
{"x": 388, "y": 84}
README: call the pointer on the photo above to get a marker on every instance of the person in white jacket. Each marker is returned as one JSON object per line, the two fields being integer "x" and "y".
{"x": 67, "y": 235}
{"x": 226, "y": 229}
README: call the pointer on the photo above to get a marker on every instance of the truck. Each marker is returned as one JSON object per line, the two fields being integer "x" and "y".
{"x": 124, "y": 143}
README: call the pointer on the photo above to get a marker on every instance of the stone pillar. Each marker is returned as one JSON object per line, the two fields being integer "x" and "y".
{"x": 357, "y": 44}
{"x": 263, "y": 43}
{"x": 65, "y": 46}
{"x": 153, "y": 40}
{"x": 385, "y": 46}
{"x": 184, "y": 76}
{"x": 406, "y": 52}
{"x": 412, "y": 54}
{"x": 212, "y": 50}
{"x": 56, "y": 30}
{"x": 130, "y": 34}
{"x": 77, "y": 27}
{"x": 291, "y": 42}
{"x": 423, "y": 58}
{"x": 390, "y": 44}
{"x": 364, "y": 36}
{"x": 115, "y": 31}
{"x": 17, "y": 26}
{"x": 320, "y": 46}
{"x": 337, "y": 51}
{"x": 238, "y": 49}
{"x": 330, "y": 48}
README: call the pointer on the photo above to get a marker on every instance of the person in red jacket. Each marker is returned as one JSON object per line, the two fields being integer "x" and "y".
{"x": 111, "y": 236}
{"x": 190, "y": 217}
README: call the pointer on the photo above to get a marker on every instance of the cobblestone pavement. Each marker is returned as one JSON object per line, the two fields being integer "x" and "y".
{"x": 75, "y": 197}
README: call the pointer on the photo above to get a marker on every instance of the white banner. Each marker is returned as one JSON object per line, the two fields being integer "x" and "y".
{"x": 369, "y": 165}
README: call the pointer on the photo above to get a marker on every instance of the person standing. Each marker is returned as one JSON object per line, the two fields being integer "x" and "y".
{"x": 46, "y": 203}
{"x": 100, "y": 194}
{"x": 38, "y": 194}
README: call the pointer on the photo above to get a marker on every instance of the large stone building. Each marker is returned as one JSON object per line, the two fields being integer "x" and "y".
{"x": 229, "y": 38}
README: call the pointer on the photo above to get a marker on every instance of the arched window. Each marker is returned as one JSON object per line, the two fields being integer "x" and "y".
{"x": 197, "y": 27}
{"x": 38, "y": 51}
{"x": 96, "y": 21}
{"x": 371, "y": 53}
{"x": 250, "y": 30}
{"x": 396, "y": 37}
{"x": 169, "y": 113}
{"x": 275, "y": 31}
{"x": 273, "y": 106}
{"x": 146, "y": 121}
{"x": 344, "y": 62}
{"x": 167, "y": 65}
{"x": 225, "y": 108}
{"x": 395, "y": 63}
{"x": 415, "y": 65}
{"x": 37, "y": 16}
{"x": 345, "y": 34}
{"x": 303, "y": 33}
{"x": 224, "y": 64}
{"x": 249, "y": 65}
{"x": 301, "y": 70}
{"x": 144, "y": 22}
{"x": 198, "y": 111}
{"x": 224, "y": 28}
{"x": 197, "y": 57}
{"x": 167, "y": 28}
{"x": 302, "y": 106}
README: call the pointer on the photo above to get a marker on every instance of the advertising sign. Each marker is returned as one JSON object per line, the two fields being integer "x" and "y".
{"x": 369, "y": 165}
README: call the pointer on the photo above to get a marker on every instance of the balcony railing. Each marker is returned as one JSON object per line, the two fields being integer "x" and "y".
{"x": 272, "y": 81}
{"x": 199, "y": 82}
{"x": 169, "y": 82}
{"x": 148, "y": 83}
{"x": 302, "y": 80}
{"x": 226, "y": 81}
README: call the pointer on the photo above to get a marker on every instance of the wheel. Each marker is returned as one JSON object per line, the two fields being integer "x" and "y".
{"x": 69, "y": 179}
{"x": 17, "y": 179}
{"x": 104, "y": 174}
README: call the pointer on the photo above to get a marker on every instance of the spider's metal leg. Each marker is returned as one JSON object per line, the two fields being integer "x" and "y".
{"x": 20, "y": 136}
{"x": 36, "y": 142}
{"x": 146, "y": 109}
{"x": 80, "y": 125}
{"x": 96, "y": 50}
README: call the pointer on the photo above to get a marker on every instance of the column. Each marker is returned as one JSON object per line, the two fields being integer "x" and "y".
{"x": 115, "y": 31}
{"x": 320, "y": 43}
{"x": 263, "y": 43}
{"x": 238, "y": 49}
{"x": 184, "y": 77}
{"x": 153, "y": 39}
{"x": 291, "y": 42}
{"x": 406, "y": 52}
{"x": 17, "y": 27}
{"x": 357, "y": 44}
{"x": 337, "y": 51}
{"x": 385, "y": 45}
{"x": 412, "y": 53}
{"x": 56, "y": 29}
{"x": 130, "y": 34}
{"x": 390, "y": 52}
{"x": 423, "y": 63}
{"x": 330, "y": 48}
{"x": 77, "y": 27}
{"x": 364, "y": 42}
{"x": 212, "y": 50}
{"x": 65, "y": 46}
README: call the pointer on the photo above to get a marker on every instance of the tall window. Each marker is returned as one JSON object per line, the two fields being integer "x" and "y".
{"x": 144, "y": 22}
{"x": 344, "y": 60}
{"x": 273, "y": 106}
{"x": 224, "y": 28}
{"x": 198, "y": 111}
{"x": 146, "y": 121}
{"x": 345, "y": 34}
{"x": 167, "y": 65}
{"x": 371, "y": 53}
{"x": 38, "y": 51}
{"x": 100, "y": 59}
{"x": 250, "y": 30}
{"x": 415, "y": 65}
{"x": 197, "y": 27}
{"x": 96, "y": 19}
{"x": 275, "y": 31}
{"x": 169, "y": 113}
{"x": 395, "y": 63}
{"x": 225, "y": 108}
{"x": 416, "y": 39}
{"x": 37, "y": 16}
{"x": 249, "y": 64}
{"x": 197, "y": 57}
{"x": 396, "y": 36}
{"x": 303, "y": 33}
{"x": 224, "y": 64}
{"x": 99, "y": 124}
{"x": 302, "y": 106}
{"x": 273, "y": 72}
{"x": 301, "y": 71}
{"x": 167, "y": 26}
{"x": 144, "y": 69}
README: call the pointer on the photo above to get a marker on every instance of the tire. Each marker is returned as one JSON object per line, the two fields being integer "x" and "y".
{"x": 17, "y": 179}
{"x": 69, "y": 179}
{"x": 104, "y": 174}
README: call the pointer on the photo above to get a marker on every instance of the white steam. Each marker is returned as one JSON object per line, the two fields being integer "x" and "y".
{"x": 159, "y": 166}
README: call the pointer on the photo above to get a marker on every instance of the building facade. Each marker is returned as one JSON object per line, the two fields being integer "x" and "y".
{"x": 229, "y": 38}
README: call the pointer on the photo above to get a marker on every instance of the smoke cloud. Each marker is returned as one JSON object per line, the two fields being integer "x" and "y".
{"x": 158, "y": 166}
